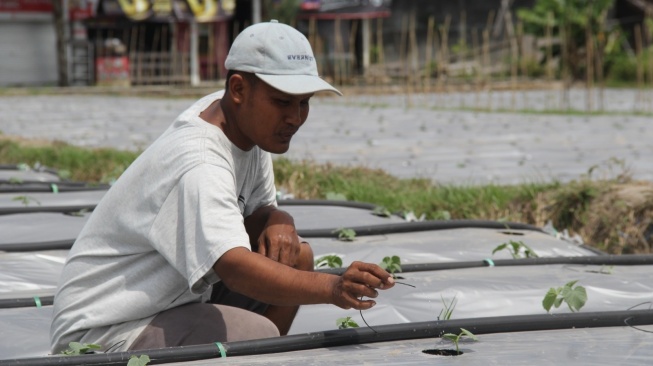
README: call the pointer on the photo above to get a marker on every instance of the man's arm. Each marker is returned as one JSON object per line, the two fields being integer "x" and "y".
{"x": 265, "y": 280}
{"x": 272, "y": 233}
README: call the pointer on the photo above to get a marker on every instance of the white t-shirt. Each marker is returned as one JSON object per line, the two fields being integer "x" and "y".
{"x": 151, "y": 243}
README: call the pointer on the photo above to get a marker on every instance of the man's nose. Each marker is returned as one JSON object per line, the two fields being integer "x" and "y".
{"x": 294, "y": 116}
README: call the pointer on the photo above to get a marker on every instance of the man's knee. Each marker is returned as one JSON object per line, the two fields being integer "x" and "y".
{"x": 306, "y": 260}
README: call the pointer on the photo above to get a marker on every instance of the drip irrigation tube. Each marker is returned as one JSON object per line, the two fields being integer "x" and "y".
{"x": 353, "y": 336}
{"x": 26, "y": 302}
{"x": 38, "y": 186}
{"x": 603, "y": 260}
{"x": 352, "y": 204}
{"x": 406, "y": 227}
{"x": 34, "y": 209}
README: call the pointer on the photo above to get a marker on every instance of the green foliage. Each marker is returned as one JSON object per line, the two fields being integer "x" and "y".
{"x": 448, "y": 308}
{"x": 331, "y": 261}
{"x": 76, "y": 162}
{"x": 518, "y": 249}
{"x": 568, "y": 20}
{"x": 285, "y": 11}
{"x": 26, "y": 200}
{"x": 575, "y": 297}
{"x": 456, "y": 338}
{"x": 391, "y": 264}
{"x": 15, "y": 180}
{"x": 344, "y": 323}
{"x": 381, "y": 211}
{"x": 141, "y": 360}
{"x": 76, "y": 348}
{"x": 345, "y": 234}
{"x": 333, "y": 196}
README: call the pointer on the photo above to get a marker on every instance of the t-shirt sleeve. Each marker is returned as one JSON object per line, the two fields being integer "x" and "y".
{"x": 264, "y": 193}
{"x": 203, "y": 210}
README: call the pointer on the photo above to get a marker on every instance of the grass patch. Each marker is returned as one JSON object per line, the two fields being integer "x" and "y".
{"x": 614, "y": 214}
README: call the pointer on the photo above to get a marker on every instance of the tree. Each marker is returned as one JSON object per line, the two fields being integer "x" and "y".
{"x": 569, "y": 20}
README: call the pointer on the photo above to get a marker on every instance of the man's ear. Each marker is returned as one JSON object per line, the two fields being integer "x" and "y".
{"x": 237, "y": 88}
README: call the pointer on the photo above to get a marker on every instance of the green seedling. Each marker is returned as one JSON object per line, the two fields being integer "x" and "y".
{"x": 456, "y": 338}
{"x": 15, "y": 180}
{"x": 76, "y": 348}
{"x": 448, "y": 309}
{"x": 604, "y": 270}
{"x": 346, "y": 234}
{"x": 575, "y": 297}
{"x": 344, "y": 323}
{"x": 391, "y": 264}
{"x": 381, "y": 211}
{"x": 331, "y": 261}
{"x": 26, "y": 200}
{"x": 517, "y": 249}
{"x": 141, "y": 360}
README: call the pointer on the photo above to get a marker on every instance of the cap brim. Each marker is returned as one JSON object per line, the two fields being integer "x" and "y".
{"x": 298, "y": 84}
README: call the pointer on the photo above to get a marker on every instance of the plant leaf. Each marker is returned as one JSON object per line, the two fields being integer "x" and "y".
{"x": 549, "y": 299}
{"x": 576, "y": 298}
{"x": 468, "y": 334}
{"x": 500, "y": 247}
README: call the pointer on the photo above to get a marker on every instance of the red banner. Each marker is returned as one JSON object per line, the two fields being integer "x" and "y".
{"x": 26, "y": 6}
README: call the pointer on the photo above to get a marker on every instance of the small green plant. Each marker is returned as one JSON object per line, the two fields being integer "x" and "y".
{"x": 575, "y": 297}
{"x": 331, "y": 261}
{"x": 76, "y": 348}
{"x": 141, "y": 360}
{"x": 448, "y": 309}
{"x": 344, "y": 323}
{"x": 381, "y": 211}
{"x": 15, "y": 180}
{"x": 456, "y": 338}
{"x": 346, "y": 234}
{"x": 26, "y": 200}
{"x": 517, "y": 249}
{"x": 391, "y": 264}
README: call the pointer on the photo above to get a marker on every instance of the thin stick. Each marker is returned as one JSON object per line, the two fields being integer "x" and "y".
{"x": 428, "y": 57}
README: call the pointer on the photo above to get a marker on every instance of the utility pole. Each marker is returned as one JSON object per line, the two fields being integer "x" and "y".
{"x": 60, "y": 13}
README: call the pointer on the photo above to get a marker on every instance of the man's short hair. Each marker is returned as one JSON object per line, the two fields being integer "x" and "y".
{"x": 250, "y": 77}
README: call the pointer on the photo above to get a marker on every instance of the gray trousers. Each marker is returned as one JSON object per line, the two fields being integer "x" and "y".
{"x": 228, "y": 317}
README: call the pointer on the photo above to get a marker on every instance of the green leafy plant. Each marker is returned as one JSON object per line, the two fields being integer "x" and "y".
{"x": 517, "y": 249}
{"x": 575, "y": 297}
{"x": 391, "y": 264}
{"x": 26, "y": 200}
{"x": 445, "y": 314}
{"x": 141, "y": 360}
{"x": 456, "y": 338}
{"x": 344, "y": 323}
{"x": 76, "y": 348}
{"x": 15, "y": 180}
{"x": 346, "y": 234}
{"x": 331, "y": 261}
{"x": 381, "y": 211}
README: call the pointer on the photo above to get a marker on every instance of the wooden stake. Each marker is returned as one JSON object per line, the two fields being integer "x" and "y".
{"x": 640, "y": 68}
{"x": 428, "y": 56}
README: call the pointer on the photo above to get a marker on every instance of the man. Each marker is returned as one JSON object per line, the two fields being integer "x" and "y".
{"x": 197, "y": 212}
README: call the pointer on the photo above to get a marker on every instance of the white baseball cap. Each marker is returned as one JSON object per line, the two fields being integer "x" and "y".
{"x": 279, "y": 55}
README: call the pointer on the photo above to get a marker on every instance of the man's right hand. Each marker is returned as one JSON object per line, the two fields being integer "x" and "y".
{"x": 360, "y": 280}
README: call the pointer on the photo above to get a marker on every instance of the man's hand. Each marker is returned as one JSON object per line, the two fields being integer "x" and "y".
{"x": 276, "y": 237}
{"x": 360, "y": 280}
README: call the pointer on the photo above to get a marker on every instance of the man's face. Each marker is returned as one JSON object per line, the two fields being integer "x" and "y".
{"x": 272, "y": 117}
